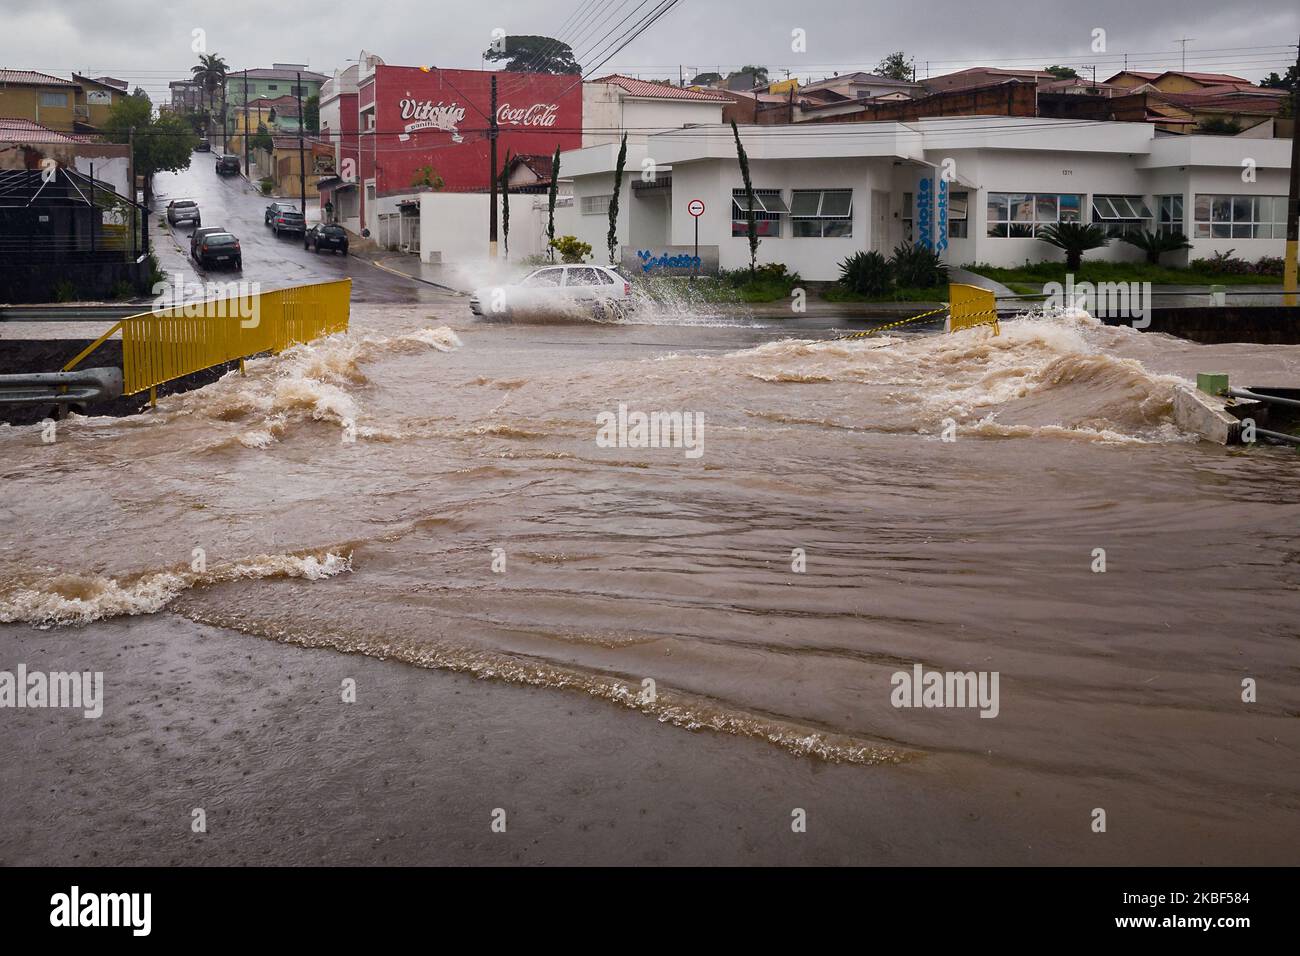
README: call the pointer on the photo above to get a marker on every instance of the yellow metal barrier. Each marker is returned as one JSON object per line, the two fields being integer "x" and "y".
{"x": 170, "y": 343}
{"x": 970, "y": 306}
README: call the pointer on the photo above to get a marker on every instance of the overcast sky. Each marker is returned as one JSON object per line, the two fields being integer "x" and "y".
{"x": 148, "y": 42}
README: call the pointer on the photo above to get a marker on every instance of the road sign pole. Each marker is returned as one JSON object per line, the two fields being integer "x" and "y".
{"x": 695, "y": 265}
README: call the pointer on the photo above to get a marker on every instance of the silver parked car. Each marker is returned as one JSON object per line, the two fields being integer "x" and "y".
{"x": 183, "y": 210}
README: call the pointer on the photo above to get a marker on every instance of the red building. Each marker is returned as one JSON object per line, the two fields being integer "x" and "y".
{"x": 419, "y": 128}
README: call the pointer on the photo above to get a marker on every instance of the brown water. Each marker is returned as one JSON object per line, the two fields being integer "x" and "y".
{"x": 350, "y": 495}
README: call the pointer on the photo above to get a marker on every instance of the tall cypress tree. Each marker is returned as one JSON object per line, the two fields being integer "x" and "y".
{"x": 612, "y": 239}
{"x": 550, "y": 203}
{"x": 750, "y": 219}
{"x": 505, "y": 204}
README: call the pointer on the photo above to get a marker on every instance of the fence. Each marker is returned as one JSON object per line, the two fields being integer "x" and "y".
{"x": 970, "y": 306}
{"x": 167, "y": 344}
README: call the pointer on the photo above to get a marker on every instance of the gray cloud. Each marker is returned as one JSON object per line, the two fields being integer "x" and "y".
{"x": 149, "y": 43}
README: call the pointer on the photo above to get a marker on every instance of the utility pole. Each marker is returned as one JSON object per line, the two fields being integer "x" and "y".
{"x": 1293, "y": 198}
{"x": 302, "y": 165}
{"x": 492, "y": 172}
{"x": 247, "y": 174}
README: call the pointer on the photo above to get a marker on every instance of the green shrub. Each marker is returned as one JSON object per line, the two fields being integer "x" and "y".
{"x": 866, "y": 273}
{"x": 65, "y": 291}
{"x": 267, "y": 185}
{"x": 1223, "y": 263}
{"x": 571, "y": 248}
{"x": 917, "y": 267}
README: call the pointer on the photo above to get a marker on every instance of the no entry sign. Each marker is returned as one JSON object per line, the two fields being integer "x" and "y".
{"x": 696, "y": 208}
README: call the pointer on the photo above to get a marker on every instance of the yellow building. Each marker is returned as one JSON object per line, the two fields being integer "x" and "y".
{"x": 79, "y": 105}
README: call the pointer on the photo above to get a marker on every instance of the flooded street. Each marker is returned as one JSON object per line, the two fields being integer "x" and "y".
{"x": 429, "y": 491}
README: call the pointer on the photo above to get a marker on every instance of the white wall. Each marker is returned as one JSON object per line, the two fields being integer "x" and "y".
{"x": 454, "y": 226}
{"x": 607, "y": 108}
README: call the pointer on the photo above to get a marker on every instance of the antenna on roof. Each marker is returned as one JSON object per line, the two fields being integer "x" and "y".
{"x": 1184, "y": 41}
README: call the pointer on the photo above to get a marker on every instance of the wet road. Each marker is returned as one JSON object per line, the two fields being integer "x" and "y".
{"x": 230, "y": 202}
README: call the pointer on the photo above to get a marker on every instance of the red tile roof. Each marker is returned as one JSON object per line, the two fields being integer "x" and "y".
{"x": 661, "y": 90}
{"x": 15, "y": 129}
{"x": 32, "y": 78}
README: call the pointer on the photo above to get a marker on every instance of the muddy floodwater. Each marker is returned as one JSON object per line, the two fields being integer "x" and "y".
{"x": 435, "y": 494}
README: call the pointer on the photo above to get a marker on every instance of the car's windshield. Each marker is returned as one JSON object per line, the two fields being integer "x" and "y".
{"x": 544, "y": 277}
{"x": 220, "y": 240}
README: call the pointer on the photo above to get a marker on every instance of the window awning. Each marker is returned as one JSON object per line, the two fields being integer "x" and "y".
{"x": 771, "y": 203}
{"x": 822, "y": 204}
{"x": 1116, "y": 208}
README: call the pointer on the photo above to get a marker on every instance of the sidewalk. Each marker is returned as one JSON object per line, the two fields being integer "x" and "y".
{"x": 439, "y": 276}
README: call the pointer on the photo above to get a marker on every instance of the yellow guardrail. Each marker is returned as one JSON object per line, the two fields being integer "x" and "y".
{"x": 970, "y": 306}
{"x": 170, "y": 343}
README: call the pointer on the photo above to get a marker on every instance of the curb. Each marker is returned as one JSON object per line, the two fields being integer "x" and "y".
{"x": 379, "y": 264}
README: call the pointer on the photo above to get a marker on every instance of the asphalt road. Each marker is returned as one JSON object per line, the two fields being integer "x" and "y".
{"x": 230, "y": 202}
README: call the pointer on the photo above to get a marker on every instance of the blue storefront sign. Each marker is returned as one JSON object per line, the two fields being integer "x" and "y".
{"x": 925, "y": 212}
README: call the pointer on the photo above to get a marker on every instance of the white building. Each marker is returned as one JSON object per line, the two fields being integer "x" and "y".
{"x": 976, "y": 188}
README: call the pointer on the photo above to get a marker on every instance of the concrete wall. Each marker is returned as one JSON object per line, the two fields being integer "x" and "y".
{"x": 607, "y": 109}
{"x": 111, "y": 161}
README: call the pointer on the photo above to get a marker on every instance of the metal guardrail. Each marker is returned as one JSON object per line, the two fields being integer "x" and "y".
{"x": 61, "y": 388}
{"x": 66, "y": 313}
{"x": 170, "y": 343}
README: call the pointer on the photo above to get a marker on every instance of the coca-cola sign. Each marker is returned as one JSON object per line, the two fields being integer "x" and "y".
{"x": 429, "y": 115}
{"x": 539, "y": 114}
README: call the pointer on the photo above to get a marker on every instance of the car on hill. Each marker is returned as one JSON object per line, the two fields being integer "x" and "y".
{"x": 326, "y": 236}
{"x": 183, "y": 210}
{"x": 290, "y": 221}
{"x": 227, "y": 165}
{"x": 198, "y": 234}
{"x": 218, "y": 249}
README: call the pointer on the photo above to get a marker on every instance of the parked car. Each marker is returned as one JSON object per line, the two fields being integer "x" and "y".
{"x": 227, "y": 164}
{"x": 326, "y": 236}
{"x": 286, "y": 221}
{"x": 198, "y": 235}
{"x": 183, "y": 210}
{"x": 220, "y": 248}
{"x": 278, "y": 207}
{"x": 203, "y": 147}
{"x": 597, "y": 291}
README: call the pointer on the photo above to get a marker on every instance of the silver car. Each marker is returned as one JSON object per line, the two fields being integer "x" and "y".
{"x": 183, "y": 210}
{"x": 578, "y": 290}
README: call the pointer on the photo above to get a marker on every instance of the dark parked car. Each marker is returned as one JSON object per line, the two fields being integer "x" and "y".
{"x": 220, "y": 248}
{"x": 183, "y": 210}
{"x": 203, "y": 147}
{"x": 198, "y": 234}
{"x": 292, "y": 222}
{"x": 328, "y": 236}
{"x": 227, "y": 164}
{"x": 276, "y": 208}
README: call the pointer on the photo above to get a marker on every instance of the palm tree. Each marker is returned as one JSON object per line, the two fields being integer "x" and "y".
{"x": 1155, "y": 244}
{"x": 210, "y": 73}
{"x": 1075, "y": 238}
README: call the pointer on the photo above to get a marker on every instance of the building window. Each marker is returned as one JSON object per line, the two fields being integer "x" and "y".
{"x": 907, "y": 217}
{"x": 54, "y": 99}
{"x": 824, "y": 213}
{"x": 1022, "y": 215}
{"x": 1121, "y": 215}
{"x": 596, "y": 205}
{"x": 1169, "y": 210}
{"x": 958, "y": 204}
{"x": 272, "y": 86}
{"x": 769, "y": 207}
{"x": 1239, "y": 217}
